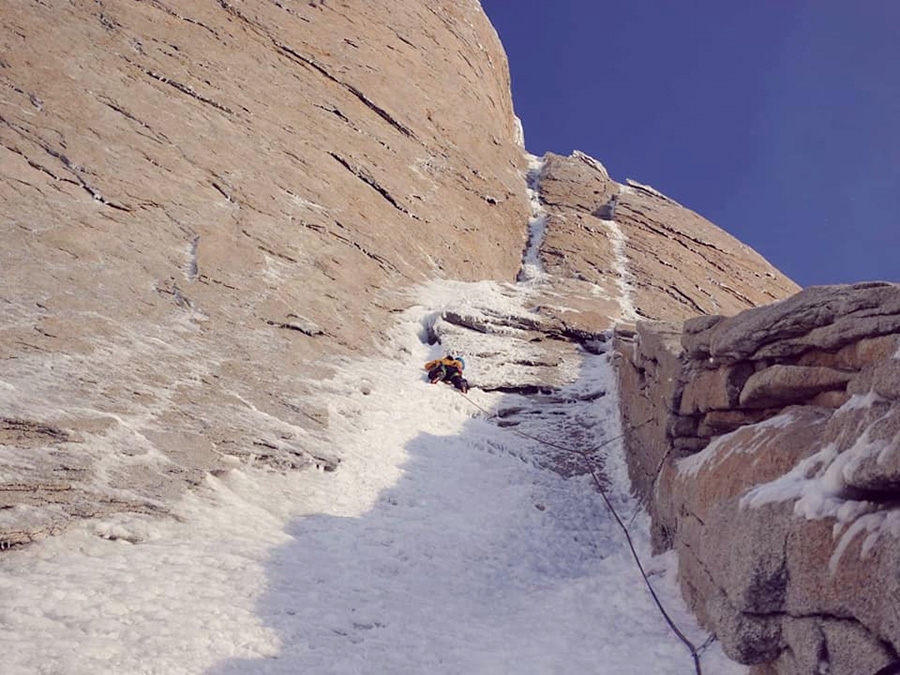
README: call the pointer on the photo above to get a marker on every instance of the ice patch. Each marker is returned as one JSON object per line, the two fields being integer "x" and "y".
{"x": 306, "y": 204}
{"x": 797, "y": 483}
{"x": 519, "y": 132}
{"x": 438, "y": 546}
{"x": 861, "y": 401}
{"x": 649, "y": 189}
{"x": 873, "y": 525}
{"x": 819, "y": 485}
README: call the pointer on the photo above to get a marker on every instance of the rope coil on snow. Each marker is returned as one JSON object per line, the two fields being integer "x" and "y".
{"x": 695, "y": 652}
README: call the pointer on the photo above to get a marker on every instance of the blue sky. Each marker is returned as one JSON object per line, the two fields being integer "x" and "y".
{"x": 779, "y": 120}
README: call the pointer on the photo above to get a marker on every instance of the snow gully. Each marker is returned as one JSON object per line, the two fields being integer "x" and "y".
{"x": 532, "y": 270}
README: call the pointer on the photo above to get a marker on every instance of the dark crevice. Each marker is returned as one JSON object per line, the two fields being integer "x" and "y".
{"x": 32, "y": 98}
{"x": 237, "y": 14}
{"x": 684, "y": 299}
{"x": 282, "y": 256}
{"x": 265, "y": 248}
{"x": 112, "y": 105}
{"x": 39, "y": 167}
{"x": 108, "y": 23}
{"x": 492, "y": 324}
{"x": 14, "y": 427}
{"x": 404, "y": 40}
{"x": 383, "y": 262}
{"x": 524, "y": 390}
{"x": 334, "y": 111}
{"x": 183, "y": 88}
{"x": 72, "y": 168}
{"x": 381, "y": 112}
{"x": 223, "y": 192}
{"x": 209, "y": 280}
{"x": 885, "y": 497}
{"x": 366, "y": 178}
{"x": 280, "y": 5}
{"x": 298, "y": 325}
{"x": 738, "y": 296}
{"x": 670, "y": 232}
{"x": 170, "y": 288}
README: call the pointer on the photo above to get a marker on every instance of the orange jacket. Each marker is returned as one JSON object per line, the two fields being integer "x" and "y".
{"x": 446, "y": 362}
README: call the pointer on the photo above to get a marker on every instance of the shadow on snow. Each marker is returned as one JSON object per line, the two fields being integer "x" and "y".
{"x": 478, "y": 560}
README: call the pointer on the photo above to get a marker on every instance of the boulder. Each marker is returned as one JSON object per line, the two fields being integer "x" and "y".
{"x": 866, "y": 436}
{"x": 881, "y": 379}
{"x": 830, "y": 399}
{"x": 717, "y": 422}
{"x": 734, "y": 566}
{"x": 782, "y": 385}
{"x": 648, "y": 370}
{"x": 697, "y": 334}
{"x": 821, "y": 318}
{"x": 856, "y": 355}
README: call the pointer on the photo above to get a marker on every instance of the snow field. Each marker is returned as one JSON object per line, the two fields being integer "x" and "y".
{"x": 437, "y": 546}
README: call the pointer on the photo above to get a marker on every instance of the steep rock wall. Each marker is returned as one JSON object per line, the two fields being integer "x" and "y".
{"x": 203, "y": 199}
{"x": 766, "y": 446}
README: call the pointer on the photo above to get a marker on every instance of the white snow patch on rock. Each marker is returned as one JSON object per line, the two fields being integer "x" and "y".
{"x": 532, "y": 269}
{"x": 712, "y": 455}
{"x": 624, "y": 278}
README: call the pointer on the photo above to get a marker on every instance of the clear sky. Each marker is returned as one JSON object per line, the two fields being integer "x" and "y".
{"x": 779, "y": 120}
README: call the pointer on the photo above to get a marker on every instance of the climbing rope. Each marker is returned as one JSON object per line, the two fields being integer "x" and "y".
{"x": 695, "y": 652}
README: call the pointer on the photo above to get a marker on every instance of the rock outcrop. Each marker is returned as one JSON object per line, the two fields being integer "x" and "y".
{"x": 619, "y": 253}
{"x": 771, "y": 463}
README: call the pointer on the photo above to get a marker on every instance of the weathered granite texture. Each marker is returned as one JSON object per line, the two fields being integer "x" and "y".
{"x": 771, "y": 464}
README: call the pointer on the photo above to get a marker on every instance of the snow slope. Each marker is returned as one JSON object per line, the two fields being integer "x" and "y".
{"x": 450, "y": 539}
{"x": 443, "y": 543}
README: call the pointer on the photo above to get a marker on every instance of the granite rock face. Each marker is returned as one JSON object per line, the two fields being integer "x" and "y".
{"x": 630, "y": 252}
{"x": 770, "y": 464}
{"x": 200, "y": 201}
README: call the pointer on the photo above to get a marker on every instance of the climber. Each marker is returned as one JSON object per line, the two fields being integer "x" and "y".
{"x": 448, "y": 369}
